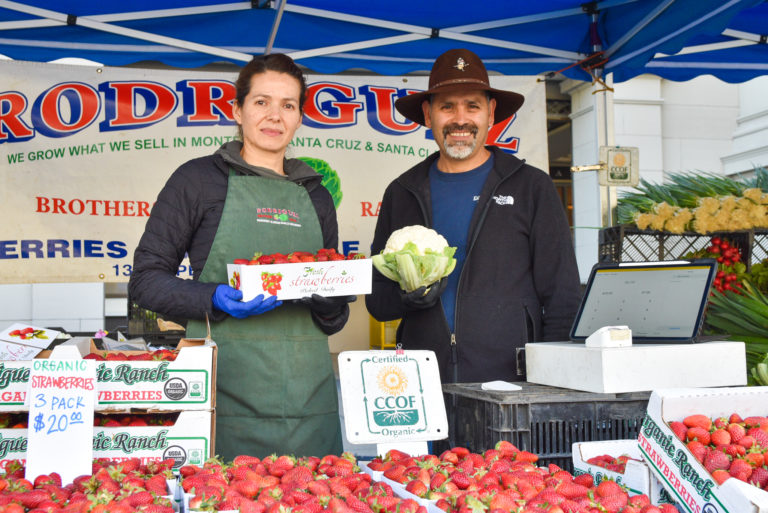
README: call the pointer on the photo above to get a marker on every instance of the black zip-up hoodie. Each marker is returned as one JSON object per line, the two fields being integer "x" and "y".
{"x": 185, "y": 219}
{"x": 519, "y": 283}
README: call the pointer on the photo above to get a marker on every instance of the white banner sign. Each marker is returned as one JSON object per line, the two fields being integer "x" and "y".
{"x": 86, "y": 150}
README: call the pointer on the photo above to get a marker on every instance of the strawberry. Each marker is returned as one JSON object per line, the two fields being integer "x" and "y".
{"x": 747, "y": 441}
{"x": 639, "y": 501}
{"x": 504, "y": 500}
{"x": 698, "y": 449}
{"x": 760, "y": 436}
{"x": 608, "y": 487}
{"x": 732, "y": 450}
{"x": 244, "y": 459}
{"x": 572, "y": 490}
{"x": 755, "y": 457}
{"x": 721, "y": 423}
{"x": 755, "y": 421}
{"x": 142, "y": 498}
{"x": 720, "y": 437}
{"x": 736, "y": 431}
{"x": 716, "y": 460}
{"x": 32, "y": 498}
{"x": 698, "y": 420}
{"x": 417, "y": 487}
{"x": 461, "y": 479}
{"x": 698, "y": 433}
{"x": 759, "y": 477}
{"x": 396, "y": 473}
{"x": 584, "y": 480}
{"x": 740, "y": 469}
{"x": 720, "y": 476}
{"x": 248, "y": 489}
{"x": 506, "y": 448}
{"x": 679, "y": 429}
{"x": 157, "y": 484}
{"x": 615, "y": 502}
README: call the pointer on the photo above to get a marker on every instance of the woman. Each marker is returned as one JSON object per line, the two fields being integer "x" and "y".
{"x": 276, "y": 390}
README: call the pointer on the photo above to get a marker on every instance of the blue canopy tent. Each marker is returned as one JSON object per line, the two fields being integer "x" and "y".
{"x": 583, "y": 40}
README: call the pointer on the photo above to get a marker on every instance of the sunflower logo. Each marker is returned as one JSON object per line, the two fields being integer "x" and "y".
{"x": 619, "y": 159}
{"x": 392, "y": 379}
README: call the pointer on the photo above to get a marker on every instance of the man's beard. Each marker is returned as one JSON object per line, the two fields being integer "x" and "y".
{"x": 463, "y": 149}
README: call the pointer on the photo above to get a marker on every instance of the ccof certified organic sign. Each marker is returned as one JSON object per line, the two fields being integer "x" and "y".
{"x": 390, "y": 397}
{"x": 621, "y": 166}
{"x": 61, "y": 398}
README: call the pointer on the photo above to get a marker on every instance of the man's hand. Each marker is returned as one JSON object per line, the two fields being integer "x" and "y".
{"x": 424, "y": 297}
{"x": 227, "y": 299}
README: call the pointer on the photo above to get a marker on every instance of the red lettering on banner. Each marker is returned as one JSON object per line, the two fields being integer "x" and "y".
{"x": 160, "y": 101}
{"x": 497, "y": 131}
{"x": 84, "y": 106}
{"x": 367, "y": 206}
{"x": 205, "y": 107}
{"x": 76, "y": 206}
{"x": 12, "y": 128}
{"x": 381, "y": 114}
{"x": 337, "y": 112}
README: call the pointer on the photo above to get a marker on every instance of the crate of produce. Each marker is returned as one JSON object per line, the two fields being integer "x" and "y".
{"x": 630, "y": 244}
{"x": 633, "y": 474}
{"x": 187, "y": 438}
{"x": 183, "y": 379}
{"x": 541, "y": 419}
{"x": 688, "y": 480}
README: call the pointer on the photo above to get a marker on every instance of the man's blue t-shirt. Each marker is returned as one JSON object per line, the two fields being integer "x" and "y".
{"x": 454, "y": 197}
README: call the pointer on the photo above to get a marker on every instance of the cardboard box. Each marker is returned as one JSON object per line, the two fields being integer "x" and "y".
{"x": 641, "y": 367}
{"x": 339, "y": 278}
{"x": 637, "y": 477}
{"x": 189, "y": 441}
{"x": 690, "y": 484}
{"x": 187, "y": 383}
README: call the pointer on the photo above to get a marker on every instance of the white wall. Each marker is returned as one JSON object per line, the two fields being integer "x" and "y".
{"x": 76, "y": 307}
{"x": 750, "y": 138}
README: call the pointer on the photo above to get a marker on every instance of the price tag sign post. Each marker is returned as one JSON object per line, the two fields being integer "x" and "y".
{"x": 393, "y": 399}
{"x": 61, "y": 401}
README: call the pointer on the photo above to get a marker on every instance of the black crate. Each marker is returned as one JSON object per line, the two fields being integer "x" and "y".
{"x": 541, "y": 419}
{"x": 143, "y": 323}
{"x": 630, "y": 244}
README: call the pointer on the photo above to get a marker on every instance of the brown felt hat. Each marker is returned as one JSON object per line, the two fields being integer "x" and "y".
{"x": 459, "y": 70}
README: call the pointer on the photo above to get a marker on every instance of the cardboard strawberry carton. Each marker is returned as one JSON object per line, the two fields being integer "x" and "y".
{"x": 189, "y": 441}
{"x": 297, "y": 280}
{"x": 185, "y": 382}
{"x": 687, "y": 481}
{"x": 636, "y": 478}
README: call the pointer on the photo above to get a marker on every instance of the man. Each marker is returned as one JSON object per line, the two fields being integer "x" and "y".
{"x": 516, "y": 278}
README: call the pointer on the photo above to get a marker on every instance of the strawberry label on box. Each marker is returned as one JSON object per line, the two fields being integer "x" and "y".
{"x": 690, "y": 478}
{"x": 297, "y": 280}
{"x": 181, "y": 381}
{"x": 188, "y": 441}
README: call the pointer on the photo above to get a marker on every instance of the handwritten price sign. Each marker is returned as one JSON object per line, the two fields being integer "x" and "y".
{"x": 61, "y": 399}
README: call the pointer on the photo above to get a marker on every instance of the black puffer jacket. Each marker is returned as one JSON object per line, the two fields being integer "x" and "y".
{"x": 519, "y": 283}
{"x": 185, "y": 219}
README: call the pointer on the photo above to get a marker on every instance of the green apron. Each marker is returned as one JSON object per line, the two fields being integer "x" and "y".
{"x": 275, "y": 387}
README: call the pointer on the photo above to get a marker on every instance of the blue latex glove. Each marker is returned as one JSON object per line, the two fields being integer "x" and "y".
{"x": 227, "y": 299}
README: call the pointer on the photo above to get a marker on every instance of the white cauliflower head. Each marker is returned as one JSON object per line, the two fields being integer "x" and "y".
{"x": 424, "y": 238}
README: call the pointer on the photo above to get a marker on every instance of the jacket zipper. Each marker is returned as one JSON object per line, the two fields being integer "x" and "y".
{"x": 475, "y": 233}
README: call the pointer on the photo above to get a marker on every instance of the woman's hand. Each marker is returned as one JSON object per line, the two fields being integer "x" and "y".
{"x": 227, "y": 299}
